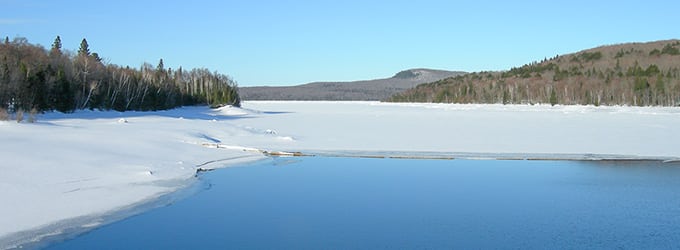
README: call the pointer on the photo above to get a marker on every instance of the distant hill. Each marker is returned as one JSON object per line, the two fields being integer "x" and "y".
{"x": 640, "y": 74}
{"x": 349, "y": 91}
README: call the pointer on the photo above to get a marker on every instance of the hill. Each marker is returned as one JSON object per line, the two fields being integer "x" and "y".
{"x": 641, "y": 74}
{"x": 349, "y": 91}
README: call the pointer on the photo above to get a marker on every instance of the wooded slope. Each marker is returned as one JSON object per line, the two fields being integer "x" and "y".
{"x": 640, "y": 74}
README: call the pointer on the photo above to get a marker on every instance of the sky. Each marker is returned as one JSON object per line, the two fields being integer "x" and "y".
{"x": 295, "y": 42}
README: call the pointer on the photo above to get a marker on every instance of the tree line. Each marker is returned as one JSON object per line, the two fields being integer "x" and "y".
{"x": 35, "y": 78}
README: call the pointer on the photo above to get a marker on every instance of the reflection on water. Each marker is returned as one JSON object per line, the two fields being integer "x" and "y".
{"x": 320, "y": 203}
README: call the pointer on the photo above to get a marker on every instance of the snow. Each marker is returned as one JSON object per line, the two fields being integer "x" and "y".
{"x": 91, "y": 164}
{"x": 485, "y": 130}
{"x": 67, "y": 166}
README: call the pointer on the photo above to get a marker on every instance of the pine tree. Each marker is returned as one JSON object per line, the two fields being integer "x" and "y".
{"x": 553, "y": 97}
{"x": 6, "y": 40}
{"x": 506, "y": 97}
{"x": 96, "y": 57}
{"x": 64, "y": 96}
{"x": 84, "y": 49}
{"x": 56, "y": 47}
{"x": 160, "y": 66}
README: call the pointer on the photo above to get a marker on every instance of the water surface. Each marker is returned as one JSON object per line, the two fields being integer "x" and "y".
{"x": 341, "y": 203}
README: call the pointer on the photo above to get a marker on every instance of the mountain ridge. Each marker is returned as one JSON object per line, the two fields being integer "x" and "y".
{"x": 361, "y": 90}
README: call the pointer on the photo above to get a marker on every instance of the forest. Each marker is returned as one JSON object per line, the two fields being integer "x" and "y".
{"x": 634, "y": 74}
{"x": 36, "y": 79}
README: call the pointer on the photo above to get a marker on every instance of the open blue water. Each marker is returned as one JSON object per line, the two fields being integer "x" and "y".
{"x": 349, "y": 203}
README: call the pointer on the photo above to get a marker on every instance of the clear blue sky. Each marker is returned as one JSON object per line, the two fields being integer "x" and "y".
{"x": 294, "y": 42}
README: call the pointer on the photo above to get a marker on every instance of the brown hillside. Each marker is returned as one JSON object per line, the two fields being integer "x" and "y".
{"x": 640, "y": 74}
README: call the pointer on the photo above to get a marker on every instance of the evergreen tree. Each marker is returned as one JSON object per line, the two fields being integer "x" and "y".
{"x": 63, "y": 97}
{"x": 506, "y": 97}
{"x": 84, "y": 49}
{"x": 160, "y": 66}
{"x": 56, "y": 47}
{"x": 96, "y": 57}
{"x": 553, "y": 97}
{"x": 660, "y": 85}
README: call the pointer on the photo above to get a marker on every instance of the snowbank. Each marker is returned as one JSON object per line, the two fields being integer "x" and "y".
{"x": 90, "y": 164}
{"x": 84, "y": 166}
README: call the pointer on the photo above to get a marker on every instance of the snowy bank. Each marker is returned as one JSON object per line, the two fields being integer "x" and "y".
{"x": 72, "y": 170}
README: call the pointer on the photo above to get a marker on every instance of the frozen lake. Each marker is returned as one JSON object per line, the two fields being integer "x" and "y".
{"x": 341, "y": 203}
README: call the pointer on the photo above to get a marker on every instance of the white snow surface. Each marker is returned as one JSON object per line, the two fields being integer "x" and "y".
{"x": 92, "y": 163}
{"x": 67, "y": 166}
{"x": 646, "y": 132}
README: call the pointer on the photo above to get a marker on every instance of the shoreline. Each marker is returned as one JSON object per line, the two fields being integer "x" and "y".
{"x": 70, "y": 228}
{"x": 73, "y": 227}
{"x": 418, "y": 155}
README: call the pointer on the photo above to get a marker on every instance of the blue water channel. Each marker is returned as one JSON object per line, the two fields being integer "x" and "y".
{"x": 358, "y": 203}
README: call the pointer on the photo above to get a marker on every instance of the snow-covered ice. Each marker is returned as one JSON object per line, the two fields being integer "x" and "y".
{"x": 489, "y": 130}
{"x": 90, "y": 164}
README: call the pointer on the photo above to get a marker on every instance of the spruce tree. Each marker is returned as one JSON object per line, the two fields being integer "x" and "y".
{"x": 553, "y": 97}
{"x": 160, "y": 66}
{"x": 96, "y": 57}
{"x": 506, "y": 97}
{"x": 56, "y": 47}
{"x": 84, "y": 49}
{"x": 64, "y": 97}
